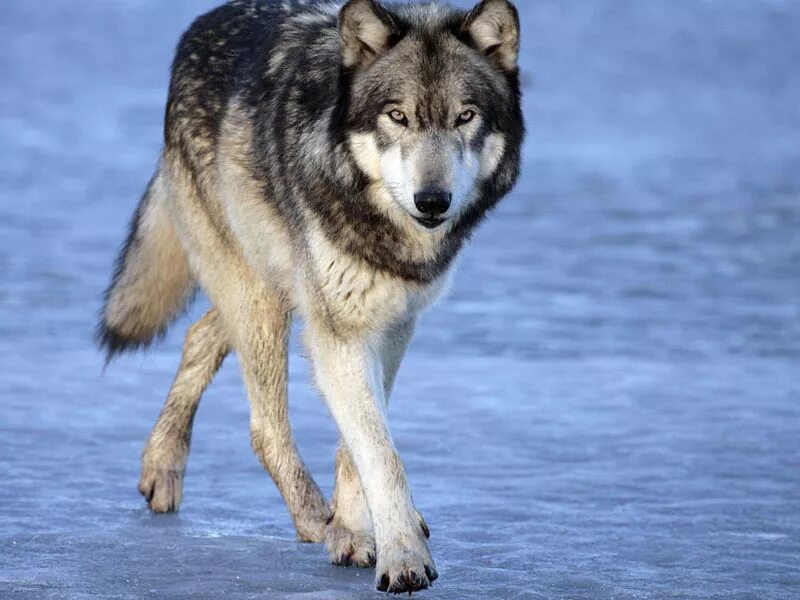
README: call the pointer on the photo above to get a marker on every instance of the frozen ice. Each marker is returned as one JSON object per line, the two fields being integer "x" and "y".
{"x": 607, "y": 406}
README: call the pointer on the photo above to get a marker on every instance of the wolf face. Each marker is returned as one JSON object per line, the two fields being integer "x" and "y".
{"x": 430, "y": 103}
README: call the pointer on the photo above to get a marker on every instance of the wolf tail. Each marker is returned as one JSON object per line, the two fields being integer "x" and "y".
{"x": 152, "y": 282}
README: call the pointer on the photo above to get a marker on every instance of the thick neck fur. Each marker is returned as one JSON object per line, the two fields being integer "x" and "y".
{"x": 298, "y": 95}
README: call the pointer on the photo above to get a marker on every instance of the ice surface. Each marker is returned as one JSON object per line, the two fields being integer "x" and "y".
{"x": 606, "y": 407}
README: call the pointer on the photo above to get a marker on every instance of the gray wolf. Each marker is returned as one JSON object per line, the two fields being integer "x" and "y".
{"x": 325, "y": 161}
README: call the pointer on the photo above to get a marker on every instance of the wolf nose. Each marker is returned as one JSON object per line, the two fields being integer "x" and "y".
{"x": 433, "y": 203}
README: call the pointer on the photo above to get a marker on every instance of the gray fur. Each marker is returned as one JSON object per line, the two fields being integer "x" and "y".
{"x": 298, "y": 140}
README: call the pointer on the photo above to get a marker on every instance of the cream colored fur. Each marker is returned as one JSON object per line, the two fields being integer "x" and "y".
{"x": 155, "y": 282}
{"x": 167, "y": 450}
{"x": 346, "y": 214}
{"x": 358, "y": 324}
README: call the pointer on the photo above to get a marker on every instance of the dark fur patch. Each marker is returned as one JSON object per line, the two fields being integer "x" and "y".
{"x": 233, "y": 52}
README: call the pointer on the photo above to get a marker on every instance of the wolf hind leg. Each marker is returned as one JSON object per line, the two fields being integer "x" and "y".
{"x": 167, "y": 450}
{"x": 257, "y": 319}
{"x": 262, "y": 342}
{"x": 349, "y": 535}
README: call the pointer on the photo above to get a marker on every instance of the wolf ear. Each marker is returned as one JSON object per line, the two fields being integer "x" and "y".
{"x": 366, "y": 31}
{"x": 493, "y": 27}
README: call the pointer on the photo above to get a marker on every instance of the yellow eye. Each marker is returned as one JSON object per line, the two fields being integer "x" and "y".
{"x": 398, "y": 117}
{"x": 465, "y": 117}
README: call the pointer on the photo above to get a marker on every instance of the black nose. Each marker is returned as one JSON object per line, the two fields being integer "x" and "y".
{"x": 433, "y": 202}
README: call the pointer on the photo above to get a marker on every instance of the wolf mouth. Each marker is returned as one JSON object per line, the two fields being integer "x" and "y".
{"x": 429, "y": 222}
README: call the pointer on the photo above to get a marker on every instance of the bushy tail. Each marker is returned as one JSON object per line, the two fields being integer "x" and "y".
{"x": 151, "y": 283}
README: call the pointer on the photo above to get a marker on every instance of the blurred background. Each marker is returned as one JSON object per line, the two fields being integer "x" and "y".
{"x": 614, "y": 409}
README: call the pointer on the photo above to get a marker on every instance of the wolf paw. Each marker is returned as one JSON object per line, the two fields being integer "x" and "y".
{"x": 404, "y": 568}
{"x": 348, "y": 548}
{"x": 405, "y": 571}
{"x": 311, "y": 527}
{"x": 162, "y": 488}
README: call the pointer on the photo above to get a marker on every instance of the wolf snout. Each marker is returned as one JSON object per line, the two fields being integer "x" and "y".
{"x": 433, "y": 203}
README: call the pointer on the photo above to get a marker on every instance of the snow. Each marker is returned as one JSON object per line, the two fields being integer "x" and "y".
{"x": 607, "y": 406}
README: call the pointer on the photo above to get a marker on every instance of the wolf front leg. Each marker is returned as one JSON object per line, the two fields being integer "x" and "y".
{"x": 349, "y": 373}
{"x": 349, "y": 536}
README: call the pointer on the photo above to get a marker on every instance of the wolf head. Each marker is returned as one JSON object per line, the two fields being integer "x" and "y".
{"x": 433, "y": 115}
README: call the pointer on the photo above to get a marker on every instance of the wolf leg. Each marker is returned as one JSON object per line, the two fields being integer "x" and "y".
{"x": 350, "y": 376}
{"x": 349, "y": 535}
{"x": 262, "y": 343}
{"x": 257, "y": 321}
{"x": 167, "y": 449}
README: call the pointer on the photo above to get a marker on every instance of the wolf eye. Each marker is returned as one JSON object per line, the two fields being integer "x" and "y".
{"x": 398, "y": 117}
{"x": 465, "y": 117}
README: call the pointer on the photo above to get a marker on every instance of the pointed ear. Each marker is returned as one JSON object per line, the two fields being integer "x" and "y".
{"x": 366, "y": 30}
{"x": 493, "y": 27}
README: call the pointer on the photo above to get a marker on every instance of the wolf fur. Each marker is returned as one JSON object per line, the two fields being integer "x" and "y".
{"x": 327, "y": 161}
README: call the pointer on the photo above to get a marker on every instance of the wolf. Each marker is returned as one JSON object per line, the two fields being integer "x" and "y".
{"x": 326, "y": 161}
